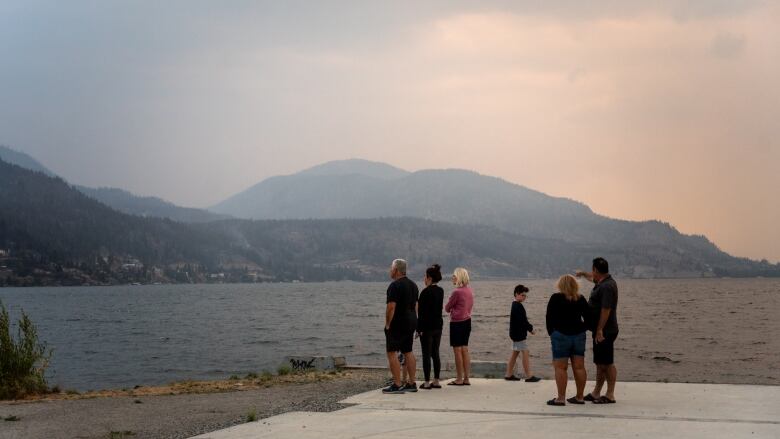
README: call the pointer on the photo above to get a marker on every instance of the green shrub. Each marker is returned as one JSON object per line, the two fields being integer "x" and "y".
{"x": 23, "y": 361}
{"x": 284, "y": 370}
{"x": 251, "y": 376}
{"x": 251, "y": 416}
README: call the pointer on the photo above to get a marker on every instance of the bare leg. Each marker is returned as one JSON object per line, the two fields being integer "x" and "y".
{"x": 601, "y": 376}
{"x": 411, "y": 367}
{"x": 527, "y": 364}
{"x": 611, "y": 372}
{"x": 466, "y": 363}
{"x": 561, "y": 378}
{"x": 580, "y": 375}
{"x": 395, "y": 367}
{"x": 458, "y": 364}
{"x": 510, "y": 365}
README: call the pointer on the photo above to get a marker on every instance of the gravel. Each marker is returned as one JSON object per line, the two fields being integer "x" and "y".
{"x": 177, "y": 416}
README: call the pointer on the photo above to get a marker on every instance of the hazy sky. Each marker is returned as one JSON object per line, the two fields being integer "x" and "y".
{"x": 662, "y": 112}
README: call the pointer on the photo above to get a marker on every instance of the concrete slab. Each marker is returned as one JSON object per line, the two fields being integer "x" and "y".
{"x": 499, "y": 409}
{"x": 483, "y": 369}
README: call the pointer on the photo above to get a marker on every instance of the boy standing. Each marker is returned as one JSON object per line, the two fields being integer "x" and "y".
{"x": 519, "y": 327}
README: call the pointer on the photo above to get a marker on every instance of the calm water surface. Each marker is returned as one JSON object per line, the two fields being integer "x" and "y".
{"x": 698, "y": 330}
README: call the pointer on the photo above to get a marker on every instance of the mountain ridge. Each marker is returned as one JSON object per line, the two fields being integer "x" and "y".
{"x": 119, "y": 199}
{"x": 52, "y": 234}
{"x": 451, "y": 195}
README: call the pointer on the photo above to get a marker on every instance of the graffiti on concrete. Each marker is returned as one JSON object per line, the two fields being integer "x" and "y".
{"x": 301, "y": 365}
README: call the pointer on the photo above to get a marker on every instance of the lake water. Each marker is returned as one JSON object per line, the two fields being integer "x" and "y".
{"x": 696, "y": 330}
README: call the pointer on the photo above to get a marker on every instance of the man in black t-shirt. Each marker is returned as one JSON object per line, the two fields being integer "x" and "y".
{"x": 603, "y": 322}
{"x": 400, "y": 324}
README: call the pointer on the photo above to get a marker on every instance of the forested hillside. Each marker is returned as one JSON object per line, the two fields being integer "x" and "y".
{"x": 52, "y": 234}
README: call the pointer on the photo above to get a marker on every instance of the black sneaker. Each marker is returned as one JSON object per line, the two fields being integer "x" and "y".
{"x": 394, "y": 389}
{"x": 410, "y": 387}
{"x": 532, "y": 379}
{"x": 512, "y": 378}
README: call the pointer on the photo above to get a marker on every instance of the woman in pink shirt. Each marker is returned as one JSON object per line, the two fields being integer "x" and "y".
{"x": 459, "y": 306}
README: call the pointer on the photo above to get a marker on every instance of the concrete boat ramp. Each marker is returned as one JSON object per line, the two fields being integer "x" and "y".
{"x": 494, "y": 408}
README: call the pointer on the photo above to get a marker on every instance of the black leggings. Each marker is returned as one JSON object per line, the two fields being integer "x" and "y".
{"x": 429, "y": 341}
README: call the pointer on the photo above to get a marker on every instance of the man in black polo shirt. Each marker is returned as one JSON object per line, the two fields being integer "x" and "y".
{"x": 400, "y": 324}
{"x": 603, "y": 305}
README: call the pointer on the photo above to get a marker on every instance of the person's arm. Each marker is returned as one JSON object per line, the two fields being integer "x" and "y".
{"x": 451, "y": 303}
{"x": 389, "y": 313}
{"x": 528, "y": 326}
{"x": 602, "y": 322}
{"x": 422, "y": 309}
{"x": 548, "y": 317}
{"x": 585, "y": 274}
{"x": 608, "y": 299}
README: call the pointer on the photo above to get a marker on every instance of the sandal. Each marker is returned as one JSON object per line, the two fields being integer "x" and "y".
{"x": 604, "y": 400}
{"x": 435, "y": 386}
{"x": 426, "y": 386}
{"x": 555, "y": 402}
{"x": 589, "y": 397}
{"x": 574, "y": 400}
{"x": 453, "y": 383}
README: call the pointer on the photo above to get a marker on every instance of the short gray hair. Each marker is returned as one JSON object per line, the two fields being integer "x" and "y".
{"x": 400, "y": 265}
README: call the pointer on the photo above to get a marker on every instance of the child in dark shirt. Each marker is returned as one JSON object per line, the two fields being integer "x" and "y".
{"x": 519, "y": 327}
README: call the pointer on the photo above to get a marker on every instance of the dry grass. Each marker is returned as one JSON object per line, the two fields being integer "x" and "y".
{"x": 194, "y": 387}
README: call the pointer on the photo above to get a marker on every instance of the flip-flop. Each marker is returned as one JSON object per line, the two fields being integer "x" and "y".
{"x": 466, "y": 384}
{"x": 426, "y": 387}
{"x": 589, "y": 397}
{"x": 604, "y": 400}
{"x": 453, "y": 383}
{"x": 435, "y": 386}
{"x": 555, "y": 403}
{"x": 574, "y": 400}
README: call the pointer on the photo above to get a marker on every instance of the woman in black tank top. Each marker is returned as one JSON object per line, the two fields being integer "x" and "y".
{"x": 429, "y": 325}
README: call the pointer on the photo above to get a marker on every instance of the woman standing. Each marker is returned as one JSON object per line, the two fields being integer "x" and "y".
{"x": 429, "y": 325}
{"x": 459, "y": 306}
{"x": 566, "y": 314}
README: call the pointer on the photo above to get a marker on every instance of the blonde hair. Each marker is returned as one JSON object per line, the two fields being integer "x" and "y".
{"x": 461, "y": 277}
{"x": 568, "y": 285}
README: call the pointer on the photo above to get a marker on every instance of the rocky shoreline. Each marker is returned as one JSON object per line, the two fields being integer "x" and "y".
{"x": 180, "y": 410}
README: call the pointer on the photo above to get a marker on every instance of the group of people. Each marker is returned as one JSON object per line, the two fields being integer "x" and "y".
{"x": 410, "y": 314}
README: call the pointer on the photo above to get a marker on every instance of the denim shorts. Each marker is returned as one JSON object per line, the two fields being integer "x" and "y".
{"x": 565, "y": 346}
{"x": 519, "y": 346}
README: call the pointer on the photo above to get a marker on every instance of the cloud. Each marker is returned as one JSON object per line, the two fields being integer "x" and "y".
{"x": 195, "y": 100}
{"x": 727, "y": 45}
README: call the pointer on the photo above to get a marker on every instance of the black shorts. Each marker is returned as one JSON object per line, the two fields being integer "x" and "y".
{"x": 399, "y": 341}
{"x": 459, "y": 333}
{"x": 604, "y": 352}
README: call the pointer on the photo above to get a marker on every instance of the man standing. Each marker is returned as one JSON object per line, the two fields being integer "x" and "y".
{"x": 603, "y": 305}
{"x": 400, "y": 324}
